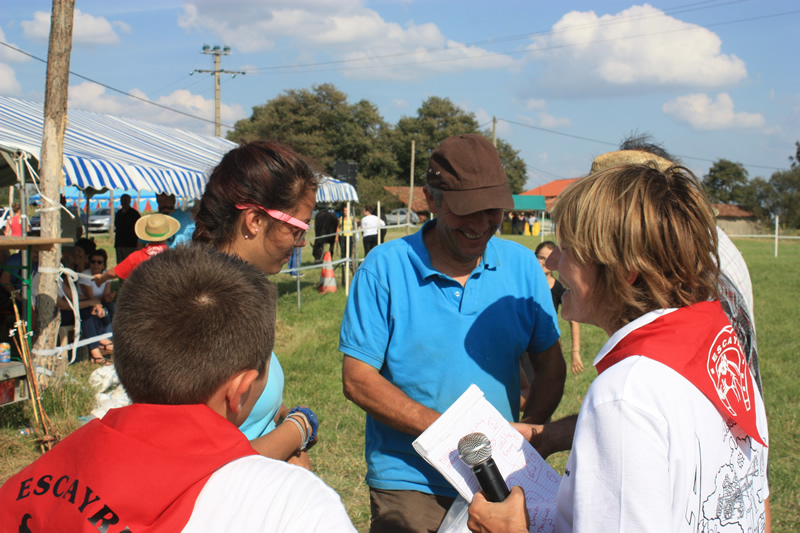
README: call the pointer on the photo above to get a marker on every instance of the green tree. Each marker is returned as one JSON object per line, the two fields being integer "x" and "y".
{"x": 323, "y": 126}
{"x": 759, "y": 198}
{"x": 786, "y": 184}
{"x": 726, "y": 182}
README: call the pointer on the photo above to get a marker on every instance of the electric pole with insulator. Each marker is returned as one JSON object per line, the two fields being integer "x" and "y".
{"x": 216, "y": 51}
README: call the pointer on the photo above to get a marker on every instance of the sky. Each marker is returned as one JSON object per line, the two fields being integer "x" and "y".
{"x": 566, "y": 80}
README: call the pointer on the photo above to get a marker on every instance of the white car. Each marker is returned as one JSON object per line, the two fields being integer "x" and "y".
{"x": 100, "y": 220}
{"x": 400, "y": 216}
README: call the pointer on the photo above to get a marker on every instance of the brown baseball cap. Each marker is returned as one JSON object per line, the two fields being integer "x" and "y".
{"x": 467, "y": 169}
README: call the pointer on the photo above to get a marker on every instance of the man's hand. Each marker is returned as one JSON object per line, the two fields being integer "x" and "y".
{"x": 549, "y": 438}
{"x": 509, "y": 516}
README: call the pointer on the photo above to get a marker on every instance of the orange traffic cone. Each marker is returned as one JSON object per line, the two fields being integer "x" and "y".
{"x": 327, "y": 281}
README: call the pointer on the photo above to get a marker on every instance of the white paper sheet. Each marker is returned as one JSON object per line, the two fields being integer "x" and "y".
{"x": 516, "y": 459}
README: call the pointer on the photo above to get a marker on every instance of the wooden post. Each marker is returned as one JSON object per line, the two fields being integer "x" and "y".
{"x": 411, "y": 188}
{"x": 777, "y": 229}
{"x": 494, "y": 131}
{"x": 51, "y": 164}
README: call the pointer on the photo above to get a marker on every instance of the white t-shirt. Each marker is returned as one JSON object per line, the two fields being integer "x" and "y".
{"x": 97, "y": 292}
{"x": 370, "y": 225}
{"x": 652, "y": 453}
{"x": 255, "y": 493}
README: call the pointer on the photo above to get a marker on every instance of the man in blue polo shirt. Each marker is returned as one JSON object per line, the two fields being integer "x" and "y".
{"x": 434, "y": 312}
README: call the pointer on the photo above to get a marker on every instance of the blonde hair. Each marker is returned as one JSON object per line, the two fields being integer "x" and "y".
{"x": 638, "y": 220}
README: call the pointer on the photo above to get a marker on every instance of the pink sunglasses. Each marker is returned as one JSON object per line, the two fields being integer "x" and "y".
{"x": 283, "y": 217}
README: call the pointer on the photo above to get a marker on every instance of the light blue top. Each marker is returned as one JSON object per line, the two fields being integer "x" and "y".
{"x": 433, "y": 338}
{"x": 262, "y": 419}
{"x": 184, "y": 235}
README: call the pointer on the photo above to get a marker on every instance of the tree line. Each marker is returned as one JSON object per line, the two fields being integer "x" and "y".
{"x": 727, "y": 183}
{"x": 322, "y": 125}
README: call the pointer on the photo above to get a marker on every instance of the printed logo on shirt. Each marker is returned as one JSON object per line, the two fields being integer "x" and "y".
{"x": 727, "y": 369}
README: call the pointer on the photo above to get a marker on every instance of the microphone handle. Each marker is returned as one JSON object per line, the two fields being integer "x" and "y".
{"x": 491, "y": 481}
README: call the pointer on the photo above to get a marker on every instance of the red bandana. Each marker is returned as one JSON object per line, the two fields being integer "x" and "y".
{"x": 699, "y": 343}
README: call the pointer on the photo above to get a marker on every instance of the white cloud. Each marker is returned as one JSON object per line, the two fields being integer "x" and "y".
{"x": 703, "y": 113}
{"x": 637, "y": 50}
{"x": 542, "y": 116}
{"x": 398, "y": 102}
{"x": 87, "y": 30}
{"x": 371, "y": 47}
{"x": 92, "y": 97}
{"x": 9, "y": 86}
{"x": 534, "y": 104}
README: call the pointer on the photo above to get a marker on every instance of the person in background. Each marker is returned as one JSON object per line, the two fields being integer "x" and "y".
{"x": 125, "y": 240}
{"x": 166, "y": 206}
{"x": 346, "y": 241}
{"x": 370, "y": 224}
{"x": 543, "y": 251}
{"x": 326, "y": 226}
{"x": 155, "y": 230}
{"x": 434, "y": 312}
{"x": 14, "y": 222}
{"x": 256, "y": 206}
{"x": 80, "y": 258}
{"x": 194, "y": 329}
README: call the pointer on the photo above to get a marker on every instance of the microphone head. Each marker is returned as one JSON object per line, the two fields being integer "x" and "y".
{"x": 474, "y": 449}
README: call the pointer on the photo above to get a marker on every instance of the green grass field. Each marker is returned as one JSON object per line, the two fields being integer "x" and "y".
{"x": 307, "y": 346}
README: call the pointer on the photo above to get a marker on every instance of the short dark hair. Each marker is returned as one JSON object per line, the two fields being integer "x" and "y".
{"x": 267, "y": 174}
{"x": 550, "y": 245}
{"x": 87, "y": 245}
{"x": 189, "y": 319}
{"x": 644, "y": 142}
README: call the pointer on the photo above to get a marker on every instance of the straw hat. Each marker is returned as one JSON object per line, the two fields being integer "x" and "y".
{"x": 628, "y": 157}
{"x": 156, "y": 227}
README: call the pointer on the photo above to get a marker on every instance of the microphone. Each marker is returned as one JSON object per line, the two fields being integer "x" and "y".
{"x": 475, "y": 450}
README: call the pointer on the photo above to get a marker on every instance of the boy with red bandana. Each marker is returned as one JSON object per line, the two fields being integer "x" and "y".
{"x": 194, "y": 330}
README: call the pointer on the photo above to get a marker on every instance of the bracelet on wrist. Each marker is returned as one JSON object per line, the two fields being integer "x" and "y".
{"x": 312, "y": 420}
{"x": 303, "y": 435}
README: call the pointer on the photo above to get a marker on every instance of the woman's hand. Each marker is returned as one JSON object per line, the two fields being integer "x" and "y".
{"x": 577, "y": 364}
{"x": 509, "y": 516}
{"x": 99, "y": 311}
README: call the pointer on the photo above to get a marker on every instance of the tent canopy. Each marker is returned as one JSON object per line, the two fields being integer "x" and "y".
{"x": 331, "y": 190}
{"x": 527, "y": 202}
{"x": 101, "y": 151}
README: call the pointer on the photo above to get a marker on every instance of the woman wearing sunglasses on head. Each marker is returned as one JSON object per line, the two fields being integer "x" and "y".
{"x": 257, "y": 205}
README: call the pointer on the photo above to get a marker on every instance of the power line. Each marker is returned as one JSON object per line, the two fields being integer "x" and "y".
{"x": 110, "y": 88}
{"x": 617, "y": 145}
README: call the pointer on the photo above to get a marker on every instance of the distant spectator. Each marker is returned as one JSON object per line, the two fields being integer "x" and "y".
{"x": 80, "y": 258}
{"x": 154, "y": 229}
{"x": 14, "y": 222}
{"x": 166, "y": 206}
{"x": 125, "y": 241}
{"x": 369, "y": 226}
{"x": 326, "y": 224}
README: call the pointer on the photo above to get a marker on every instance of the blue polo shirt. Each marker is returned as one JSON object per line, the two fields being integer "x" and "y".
{"x": 432, "y": 338}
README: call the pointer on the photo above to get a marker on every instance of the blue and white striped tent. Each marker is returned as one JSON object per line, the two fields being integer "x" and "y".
{"x": 101, "y": 151}
{"x": 331, "y": 190}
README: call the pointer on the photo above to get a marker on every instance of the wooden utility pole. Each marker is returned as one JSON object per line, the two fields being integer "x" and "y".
{"x": 494, "y": 131}
{"x": 217, "y": 52}
{"x": 51, "y": 163}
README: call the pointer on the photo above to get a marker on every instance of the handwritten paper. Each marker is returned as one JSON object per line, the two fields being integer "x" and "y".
{"x": 516, "y": 459}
